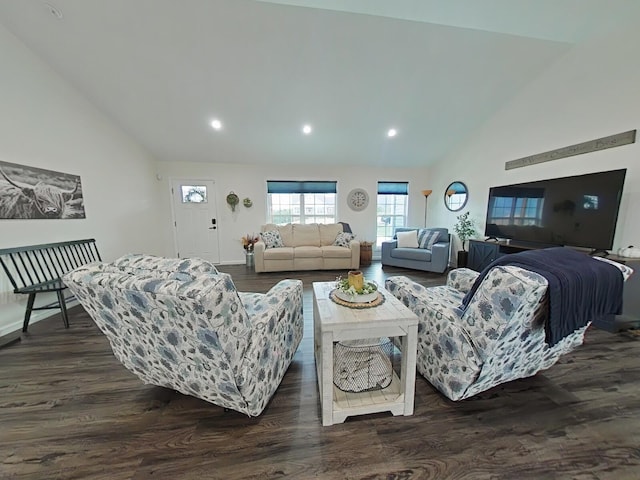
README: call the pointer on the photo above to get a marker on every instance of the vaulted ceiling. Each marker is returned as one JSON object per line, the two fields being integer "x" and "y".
{"x": 434, "y": 70}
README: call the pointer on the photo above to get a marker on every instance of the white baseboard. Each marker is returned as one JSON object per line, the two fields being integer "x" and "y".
{"x": 12, "y": 314}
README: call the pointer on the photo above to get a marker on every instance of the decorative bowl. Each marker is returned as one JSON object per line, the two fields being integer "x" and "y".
{"x": 357, "y": 298}
{"x": 347, "y": 292}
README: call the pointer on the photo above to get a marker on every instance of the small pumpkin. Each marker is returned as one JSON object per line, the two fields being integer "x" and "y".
{"x": 233, "y": 200}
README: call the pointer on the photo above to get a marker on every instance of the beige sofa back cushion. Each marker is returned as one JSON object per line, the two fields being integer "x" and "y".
{"x": 286, "y": 232}
{"x": 328, "y": 233}
{"x": 306, "y": 235}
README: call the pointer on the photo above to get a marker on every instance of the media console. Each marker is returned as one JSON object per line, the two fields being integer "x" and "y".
{"x": 483, "y": 252}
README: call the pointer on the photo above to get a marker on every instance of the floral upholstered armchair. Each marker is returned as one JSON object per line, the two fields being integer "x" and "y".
{"x": 181, "y": 324}
{"x": 499, "y": 337}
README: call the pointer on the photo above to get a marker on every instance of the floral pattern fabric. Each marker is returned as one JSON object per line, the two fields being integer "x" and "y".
{"x": 272, "y": 239}
{"x": 343, "y": 239}
{"x": 462, "y": 279}
{"x": 182, "y": 325}
{"x": 500, "y": 337}
{"x": 141, "y": 261}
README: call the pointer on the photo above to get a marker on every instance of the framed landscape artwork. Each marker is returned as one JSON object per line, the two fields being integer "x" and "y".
{"x": 34, "y": 193}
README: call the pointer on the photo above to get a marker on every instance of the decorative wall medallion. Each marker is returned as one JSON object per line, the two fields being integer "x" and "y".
{"x": 233, "y": 200}
{"x": 358, "y": 199}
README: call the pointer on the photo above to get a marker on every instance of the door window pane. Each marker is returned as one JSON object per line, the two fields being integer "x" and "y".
{"x": 194, "y": 193}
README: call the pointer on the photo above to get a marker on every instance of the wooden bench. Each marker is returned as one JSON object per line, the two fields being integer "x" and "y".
{"x": 39, "y": 268}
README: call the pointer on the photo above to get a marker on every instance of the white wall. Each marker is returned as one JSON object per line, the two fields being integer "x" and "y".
{"x": 251, "y": 181}
{"x": 590, "y": 93}
{"x": 45, "y": 123}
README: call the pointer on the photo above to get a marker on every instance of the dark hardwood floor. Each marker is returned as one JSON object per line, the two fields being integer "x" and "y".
{"x": 69, "y": 410}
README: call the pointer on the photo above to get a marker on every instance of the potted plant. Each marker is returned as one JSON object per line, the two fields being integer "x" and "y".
{"x": 465, "y": 229}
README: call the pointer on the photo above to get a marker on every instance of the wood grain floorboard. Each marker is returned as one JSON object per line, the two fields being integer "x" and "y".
{"x": 69, "y": 410}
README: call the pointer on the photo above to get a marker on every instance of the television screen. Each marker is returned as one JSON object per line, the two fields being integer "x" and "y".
{"x": 579, "y": 211}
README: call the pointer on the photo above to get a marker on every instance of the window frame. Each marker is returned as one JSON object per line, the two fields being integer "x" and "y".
{"x": 393, "y": 191}
{"x": 301, "y": 193}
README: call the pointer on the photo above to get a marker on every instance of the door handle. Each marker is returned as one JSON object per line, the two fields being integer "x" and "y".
{"x": 212, "y": 228}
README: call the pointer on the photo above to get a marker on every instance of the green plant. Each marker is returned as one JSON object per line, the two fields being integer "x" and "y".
{"x": 343, "y": 285}
{"x": 464, "y": 228}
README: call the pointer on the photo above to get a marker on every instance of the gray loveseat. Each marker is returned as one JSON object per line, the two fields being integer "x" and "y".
{"x": 434, "y": 259}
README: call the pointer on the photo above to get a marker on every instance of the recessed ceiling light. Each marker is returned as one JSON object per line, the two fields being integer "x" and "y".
{"x": 392, "y": 132}
{"x": 306, "y": 129}
{"x": 55, "y": 11}
{"x": 216, "y": 124}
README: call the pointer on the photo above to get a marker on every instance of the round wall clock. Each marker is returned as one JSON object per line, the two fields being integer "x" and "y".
{"x": 358, "y": 199}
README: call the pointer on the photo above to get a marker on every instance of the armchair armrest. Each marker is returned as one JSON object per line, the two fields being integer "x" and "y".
{"x": 624, "y": 269}
{"x": 447, "y": 355}
{"x": 462, "y": 279}
{"x": 277, "y": 327}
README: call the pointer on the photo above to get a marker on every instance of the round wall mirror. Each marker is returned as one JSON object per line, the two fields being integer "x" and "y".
{"x": 456, "y": 196}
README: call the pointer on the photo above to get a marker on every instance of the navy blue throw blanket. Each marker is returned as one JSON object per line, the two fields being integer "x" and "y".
{"x": 581, "y": 289}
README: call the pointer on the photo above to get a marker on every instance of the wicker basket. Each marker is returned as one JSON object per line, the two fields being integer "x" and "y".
{"x": 363, "y": 365}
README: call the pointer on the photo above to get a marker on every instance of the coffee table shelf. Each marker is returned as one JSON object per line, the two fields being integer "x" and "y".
{"x": 333, "y": 323}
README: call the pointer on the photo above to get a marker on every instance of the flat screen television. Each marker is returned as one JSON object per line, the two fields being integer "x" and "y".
{"x": 579, "y": 211}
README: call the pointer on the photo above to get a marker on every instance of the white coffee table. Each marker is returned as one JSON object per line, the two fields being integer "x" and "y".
{"x": 333, "y": 323}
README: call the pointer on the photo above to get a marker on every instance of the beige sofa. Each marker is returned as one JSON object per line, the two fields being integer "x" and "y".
{"x": 306, "y": 247}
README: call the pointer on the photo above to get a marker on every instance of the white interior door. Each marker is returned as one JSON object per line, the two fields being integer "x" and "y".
{"x": 195, "y": 219}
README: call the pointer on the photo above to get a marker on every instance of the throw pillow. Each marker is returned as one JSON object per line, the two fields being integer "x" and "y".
{"x": 427, "y": 237}
{"x": 407, "y": 239}
{"x": 343, "y": 239}
{"x": 272, "y": 239}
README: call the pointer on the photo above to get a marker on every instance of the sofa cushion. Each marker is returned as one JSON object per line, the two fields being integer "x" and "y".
{"x": 286, "y": 233}
{"x": 282, "y": 253}
{"x": 419, "y": 254}
{"x": 443, "y": 237}
{"x": 344, "y": 239}
{"x": 272, "y": 239}
{"x": 427, "y": 237}
{"x": 407, "y": 239}
{"x": 332, "y": 251}
{"x": 307, "y": 252}
{"x": 306, "y": 235}
{"x": 328, "y": 233}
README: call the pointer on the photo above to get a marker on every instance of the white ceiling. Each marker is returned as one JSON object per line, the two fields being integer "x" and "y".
{"x": 433, "y": 69}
